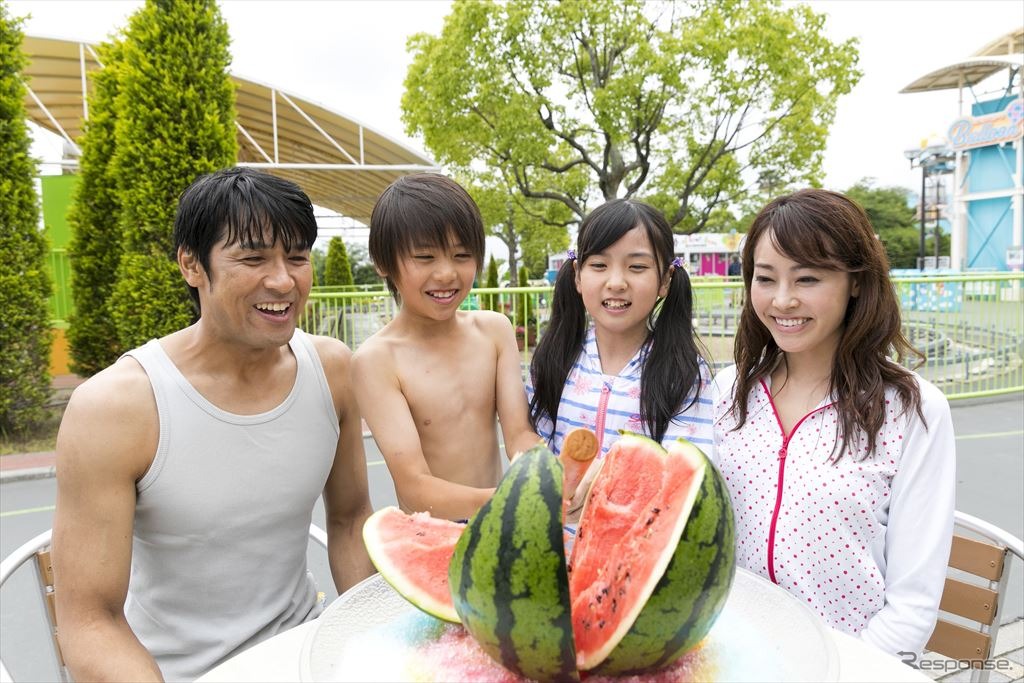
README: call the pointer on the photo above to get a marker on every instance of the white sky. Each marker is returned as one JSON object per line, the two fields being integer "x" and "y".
{"x": 350, "y": 55}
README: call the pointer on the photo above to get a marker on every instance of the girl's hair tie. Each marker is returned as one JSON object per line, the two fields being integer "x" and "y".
{"x": 677, "y": 262}
{"x": 571, "y": 254}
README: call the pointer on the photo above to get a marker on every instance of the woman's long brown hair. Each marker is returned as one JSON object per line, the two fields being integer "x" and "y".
{"x": 824, "y": 229}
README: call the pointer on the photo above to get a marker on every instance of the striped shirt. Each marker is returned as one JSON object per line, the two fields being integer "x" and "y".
{"x": 606, "y": 404}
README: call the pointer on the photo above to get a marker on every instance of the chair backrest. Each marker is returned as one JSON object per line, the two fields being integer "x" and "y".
{"x": 986, "y": 562}
{"x": 37, "y": 550}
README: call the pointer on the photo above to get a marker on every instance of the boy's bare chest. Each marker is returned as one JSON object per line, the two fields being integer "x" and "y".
{"x": 452, "y": 380}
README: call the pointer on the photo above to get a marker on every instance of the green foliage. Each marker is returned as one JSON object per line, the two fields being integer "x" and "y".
{"x": 25, "y": 333}
{"x": 175, "y": 121}
{"x": 96, "y": 244}
{"x": 319, "y": 260}
{"x": 337, "y": 269}
{"x": 491, "y": 302}
{"x": 893, "y": 220}
{"x": 524, "y": 307}
{"x": 526, "y": 226}
{"x": 568, "y": 100}
{"x": 144, "y": 281}
{"x": 363, "y": 272}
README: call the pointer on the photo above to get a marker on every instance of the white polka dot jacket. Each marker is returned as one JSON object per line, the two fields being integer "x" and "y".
{"x": 863, "y": 542}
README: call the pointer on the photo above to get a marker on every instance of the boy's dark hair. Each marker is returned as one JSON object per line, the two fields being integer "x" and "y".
{"x": 248, "y": 207}
{"x": 422, "y": 210}
{"x": 670, "y": 380}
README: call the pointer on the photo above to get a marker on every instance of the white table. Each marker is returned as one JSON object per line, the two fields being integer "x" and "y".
{"x": 277, "y": 659}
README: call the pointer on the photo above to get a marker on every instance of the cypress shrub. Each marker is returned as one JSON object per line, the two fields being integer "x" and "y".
{"x": 491, "y": 301}
{"x": 96, "y": 242}
{"x": 175, "y": 121}
{"x": 338, "y": 268}
{"x": 25, "y": 333}
{"x": 524, "y": 311}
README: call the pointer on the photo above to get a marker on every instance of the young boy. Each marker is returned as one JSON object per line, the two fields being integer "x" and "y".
{"x": 430, "y": 382}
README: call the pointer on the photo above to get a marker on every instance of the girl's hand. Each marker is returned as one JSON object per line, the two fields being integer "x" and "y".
{"x": 578, "y": 451}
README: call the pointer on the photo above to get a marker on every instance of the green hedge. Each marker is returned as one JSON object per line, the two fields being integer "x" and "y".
{"x": 25, "y": 334}
{"x": 96, "y": 244}
{"x": 175, "y": 121}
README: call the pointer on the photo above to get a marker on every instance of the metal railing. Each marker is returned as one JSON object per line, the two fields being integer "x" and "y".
{"x": 970, "y": 327}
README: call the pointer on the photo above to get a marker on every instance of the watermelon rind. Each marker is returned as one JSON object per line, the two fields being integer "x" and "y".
{"x": 508, "y": 574}
{"x": 393, "y": 573}
{"x": 694, "y": 586}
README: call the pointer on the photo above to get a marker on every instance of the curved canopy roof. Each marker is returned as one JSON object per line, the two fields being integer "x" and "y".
{"x": 1009, "y": 44}
{"x": 340, "y": 163}
{"x": 966, "y": 72}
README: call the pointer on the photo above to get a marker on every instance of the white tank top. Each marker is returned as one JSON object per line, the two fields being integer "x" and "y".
{"x": 222, "y": 517}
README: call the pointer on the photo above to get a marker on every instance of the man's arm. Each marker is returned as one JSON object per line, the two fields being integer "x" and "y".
{"x": 106, "y": 441}
{"x": 387, "y": 413}
{"x": 346, "y": 494}
{"x": 513, "y": 409}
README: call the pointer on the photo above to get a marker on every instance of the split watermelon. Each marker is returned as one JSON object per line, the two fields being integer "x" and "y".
{"x": 412, "y": 553}
{"x": 649, "y": 573}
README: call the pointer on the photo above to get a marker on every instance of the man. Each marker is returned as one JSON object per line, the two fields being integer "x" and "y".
{"x": 187, "y": 471}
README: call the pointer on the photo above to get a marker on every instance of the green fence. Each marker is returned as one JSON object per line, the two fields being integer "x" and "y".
{"x": 61, "y": 305}
{"x": 970, "y": 327}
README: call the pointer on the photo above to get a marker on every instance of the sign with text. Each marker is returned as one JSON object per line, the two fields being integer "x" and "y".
{"x": 991, "y": 129}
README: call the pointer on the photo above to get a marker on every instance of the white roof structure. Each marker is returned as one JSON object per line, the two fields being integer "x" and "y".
{"x": 340, "y": 163}
{"x": 964, "y": 73}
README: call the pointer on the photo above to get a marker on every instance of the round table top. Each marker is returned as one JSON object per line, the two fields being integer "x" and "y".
{"x": 371, "y": 633}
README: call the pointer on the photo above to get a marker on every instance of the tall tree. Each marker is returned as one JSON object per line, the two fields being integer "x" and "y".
{"x": 96, "y": 242}
{"x": 25, "y": 333}
{"x": 892, "y": 218}
{"x": 491, "y": 301}
{"x": 175, "y": 121}
{"x": 337, "y": 269}
{"x": 683, "y": 103}
{"x": 363, "y": 272}
{"x": 524, "y": 226}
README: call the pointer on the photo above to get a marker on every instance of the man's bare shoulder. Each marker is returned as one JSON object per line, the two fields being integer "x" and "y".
{"x": 122, "y": 388}
{"x": 117, "y": 403}
{"x": 334, "y": 354}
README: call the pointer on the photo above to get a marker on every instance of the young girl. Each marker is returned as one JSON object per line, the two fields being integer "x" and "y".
{"x": 839, "y": 461}
{"x": 633, "y": 365}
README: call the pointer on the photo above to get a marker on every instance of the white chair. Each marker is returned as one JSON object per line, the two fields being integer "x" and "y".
{"x": 38, "y": 549}
{"x": 983, "y": 558}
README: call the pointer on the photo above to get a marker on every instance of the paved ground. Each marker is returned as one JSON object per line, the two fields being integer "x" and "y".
{"x": 990, "y": 485}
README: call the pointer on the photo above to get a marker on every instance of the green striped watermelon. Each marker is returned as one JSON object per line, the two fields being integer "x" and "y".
{"x": 508, "y": 575}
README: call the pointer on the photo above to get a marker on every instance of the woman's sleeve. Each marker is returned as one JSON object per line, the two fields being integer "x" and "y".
{"x": 919, "y": 531}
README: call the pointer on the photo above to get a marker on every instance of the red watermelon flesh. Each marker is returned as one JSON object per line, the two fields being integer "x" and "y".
{"x": 632, "y": 522}
{"x": 412, "y": 553}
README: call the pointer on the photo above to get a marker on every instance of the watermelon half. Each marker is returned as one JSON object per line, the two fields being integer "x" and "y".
{"x": 654, "y": 557}
{"x": 412, "y": 553}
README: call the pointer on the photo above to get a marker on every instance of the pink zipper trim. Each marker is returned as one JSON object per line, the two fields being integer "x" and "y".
{"x": 602, "y": 409}
{"x": 782, "y": 469}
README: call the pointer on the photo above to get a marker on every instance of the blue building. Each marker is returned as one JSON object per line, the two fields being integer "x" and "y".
{"x": 983, "y": 150}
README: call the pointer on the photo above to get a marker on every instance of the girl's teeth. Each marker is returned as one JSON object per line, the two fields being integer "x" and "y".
{"x": 791, "y": 322}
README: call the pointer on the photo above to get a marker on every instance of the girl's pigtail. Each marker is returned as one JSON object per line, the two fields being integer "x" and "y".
{"x": 671, "y": 378}
{"x": 559, "y": 346}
